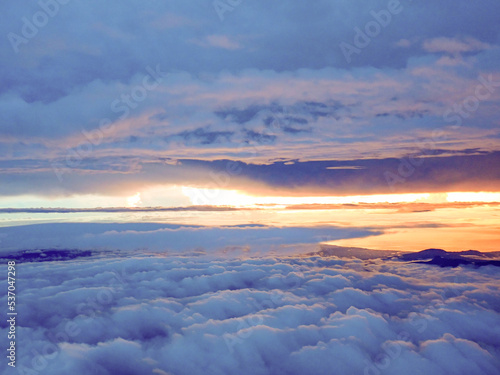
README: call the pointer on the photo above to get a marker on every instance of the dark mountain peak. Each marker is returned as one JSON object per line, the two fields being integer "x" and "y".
{"x": 457, "y": 261}
{"x": 424, "y": 254}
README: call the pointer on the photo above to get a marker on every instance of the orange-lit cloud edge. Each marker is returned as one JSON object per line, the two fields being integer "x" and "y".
{"x": 235, "y": 198}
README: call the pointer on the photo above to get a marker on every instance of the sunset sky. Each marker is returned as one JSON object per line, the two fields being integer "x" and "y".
{"x": 250, "y": 187}
{"x": 257, "y": 104}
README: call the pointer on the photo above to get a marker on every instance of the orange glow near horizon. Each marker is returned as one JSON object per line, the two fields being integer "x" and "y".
{"x": 235, "y": 198}
{"x": 412, "y": 222}
{"x": 221, "y": 197}
{"x": 481, "y": 238}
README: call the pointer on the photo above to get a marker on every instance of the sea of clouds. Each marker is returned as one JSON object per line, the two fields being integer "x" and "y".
{"x": 220, "y": 314}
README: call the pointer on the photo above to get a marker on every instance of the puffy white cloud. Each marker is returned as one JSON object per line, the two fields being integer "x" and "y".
{"x": 194, "y": 314}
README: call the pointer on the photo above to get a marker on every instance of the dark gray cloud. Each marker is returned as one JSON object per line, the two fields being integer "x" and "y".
{"x": 419, "y": 172}
{"x": 240, "y": 116}
{"x": 414, "y": 173}
{"x": 290, "y": 36}
{"x": 204, "y": 136}
{"x": 292, "y": 130}
{"x": 277, "y": 115}
{"x": 259, "y": 138}
{"x": 404, "y": 115}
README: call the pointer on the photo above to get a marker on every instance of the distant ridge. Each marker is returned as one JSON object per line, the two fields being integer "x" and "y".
{"x": 455, "y": 262}
{"x": 47, "y": 255}
{"x": 431, "y": 256}
{"x": 444, "y": 258}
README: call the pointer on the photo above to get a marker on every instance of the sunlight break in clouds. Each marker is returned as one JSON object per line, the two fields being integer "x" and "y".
{"x": 221, "y": 197}
{"x": 134, "y": 200}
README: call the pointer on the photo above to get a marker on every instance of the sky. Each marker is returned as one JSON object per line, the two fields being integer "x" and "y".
{"x": 250, "y": 104}
{"x": 113, "y": 99}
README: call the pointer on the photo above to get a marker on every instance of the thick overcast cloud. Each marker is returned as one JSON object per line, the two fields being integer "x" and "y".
{"x": 273, "y": 315}
{"x": 471, "y": 170}
{"x": 104, "y": 91}
{"x": 251, "y": 238}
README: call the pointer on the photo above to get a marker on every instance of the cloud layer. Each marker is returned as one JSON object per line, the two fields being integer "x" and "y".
{"x": 273, "y": 315}
{"x": 106, "y": 93}
{"x": 246, "y": 238}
